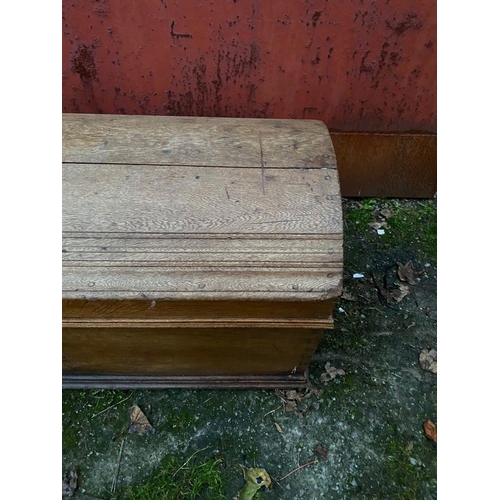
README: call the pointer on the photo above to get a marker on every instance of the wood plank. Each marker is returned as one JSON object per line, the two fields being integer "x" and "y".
{"x": 172, "y": 140}
{"x": 294, "y": 296}
{"x": 145, "y": 199}
{"x": 327, "y": 249}
{"x": 115, "y": 260}
{"x": 297, "y": 380}
{"x": 202, "y": 310}
{"x": 184, "y": 351}
{"x": 257, "y": 237}
{"x": 172, "y": 283}
{"x": 195, "y": 323}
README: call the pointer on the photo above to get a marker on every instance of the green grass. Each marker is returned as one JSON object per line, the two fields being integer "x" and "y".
{"x": 176, "y": 480}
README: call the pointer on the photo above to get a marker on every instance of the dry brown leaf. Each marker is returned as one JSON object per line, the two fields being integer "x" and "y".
{"x": 315, "y": 391}
{"x": 378, "y": 225}
{"x": 139, "y": 424}
{"x": 330, "y": 373}
{"x": 69, "y": 486}
{"x": 385, "y": 212}
{"x": 278, "y": 427}
{"x": 407, "y": 273}
{"x": 292, "y": 398}
{"x": 430, "y": 430}
{"x": 428, "y": 360}
{"x": 409, "y": 446}
{"x": 321, "y": 452}
{"x": 401, "y": 293}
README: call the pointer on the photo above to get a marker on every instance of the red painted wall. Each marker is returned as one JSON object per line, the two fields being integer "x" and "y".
{"x": 355, "y": 64}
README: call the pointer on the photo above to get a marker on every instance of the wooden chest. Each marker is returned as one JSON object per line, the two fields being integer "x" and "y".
{"x": 197, "y": 252}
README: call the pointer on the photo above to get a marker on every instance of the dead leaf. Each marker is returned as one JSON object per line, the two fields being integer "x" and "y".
{"x": 139, "y": 424}
{"x": 320, "y": 451}
{"x": 428, "y": 360}
{"x": 409, "y": 446}
{"x": 315, "y": 391}
{"x": 278, "y": 427}
{"x": 396, "y": 295}
{"x": 407, "y": 273}
{"x": 292, "y": 399}
{"x": 403, "y": 291}
{"x": 378, "y": 225}
{"x": 330, "y": 373}
{"x": 69, "y": 486}
{"x": 385, "y": 212}
{"x": 430, "y": 430}
{"x": 293, "y": 395}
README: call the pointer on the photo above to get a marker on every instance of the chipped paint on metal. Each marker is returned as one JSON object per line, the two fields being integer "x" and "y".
{"x": 356, "y": 65}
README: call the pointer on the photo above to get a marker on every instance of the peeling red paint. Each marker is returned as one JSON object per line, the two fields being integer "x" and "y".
{"x": 355, "y": 64}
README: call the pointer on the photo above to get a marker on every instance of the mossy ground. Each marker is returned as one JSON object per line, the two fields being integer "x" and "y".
{"x": 370, "y": 420}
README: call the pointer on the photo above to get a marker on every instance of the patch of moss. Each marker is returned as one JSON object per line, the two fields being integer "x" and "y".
{"x": 177, "y": 480}
{"x": 90, "y": 419}
{"x": 179, "y": 420}
{"x": 409, "y": 473}
{"x": 411, "y": 231}
{"x": 413, "y": 226}
{"x": 358, "y": 216}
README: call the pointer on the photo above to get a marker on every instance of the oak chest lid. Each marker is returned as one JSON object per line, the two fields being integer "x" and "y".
{"x": 199, "y": 208}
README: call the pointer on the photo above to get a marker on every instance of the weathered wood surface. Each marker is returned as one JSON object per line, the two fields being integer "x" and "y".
{"x": 155, "y": 199}
{"x": 216, "y": 142}
{"x": 193, "y": 208}
{"x": 159, "y": 282}
{"x": 188, "y": 240}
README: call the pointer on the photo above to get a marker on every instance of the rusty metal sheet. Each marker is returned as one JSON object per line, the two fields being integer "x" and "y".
{"x": 355, "y": 64}
{"x": 386, "y": 165}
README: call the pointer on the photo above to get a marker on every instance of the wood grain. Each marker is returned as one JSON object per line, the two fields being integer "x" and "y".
{"x": 187, "y": 351}
{"x": 168, "y": 282}
{"x": 187, "y": 241}
{"x": 146, "y": 199}
{"x": 173, "y": 140}
{"x": 201, "y": 310}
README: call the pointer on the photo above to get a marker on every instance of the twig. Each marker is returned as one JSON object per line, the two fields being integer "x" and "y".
{"x": 300, "y": 467}
{"x": 123, "y": 432}
{"x": 113, "y": 487}
{"x": 112, "y": 406}
{"x": 187, "y": 461}
{"x": 276, "y": 481}
{"x": 272, "y": 411}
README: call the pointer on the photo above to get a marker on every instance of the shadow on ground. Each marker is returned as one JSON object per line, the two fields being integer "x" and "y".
{"x": 368, "y": 421}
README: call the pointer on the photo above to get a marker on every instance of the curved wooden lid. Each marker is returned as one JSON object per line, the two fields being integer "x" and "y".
{"x": 199, "y": 208}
